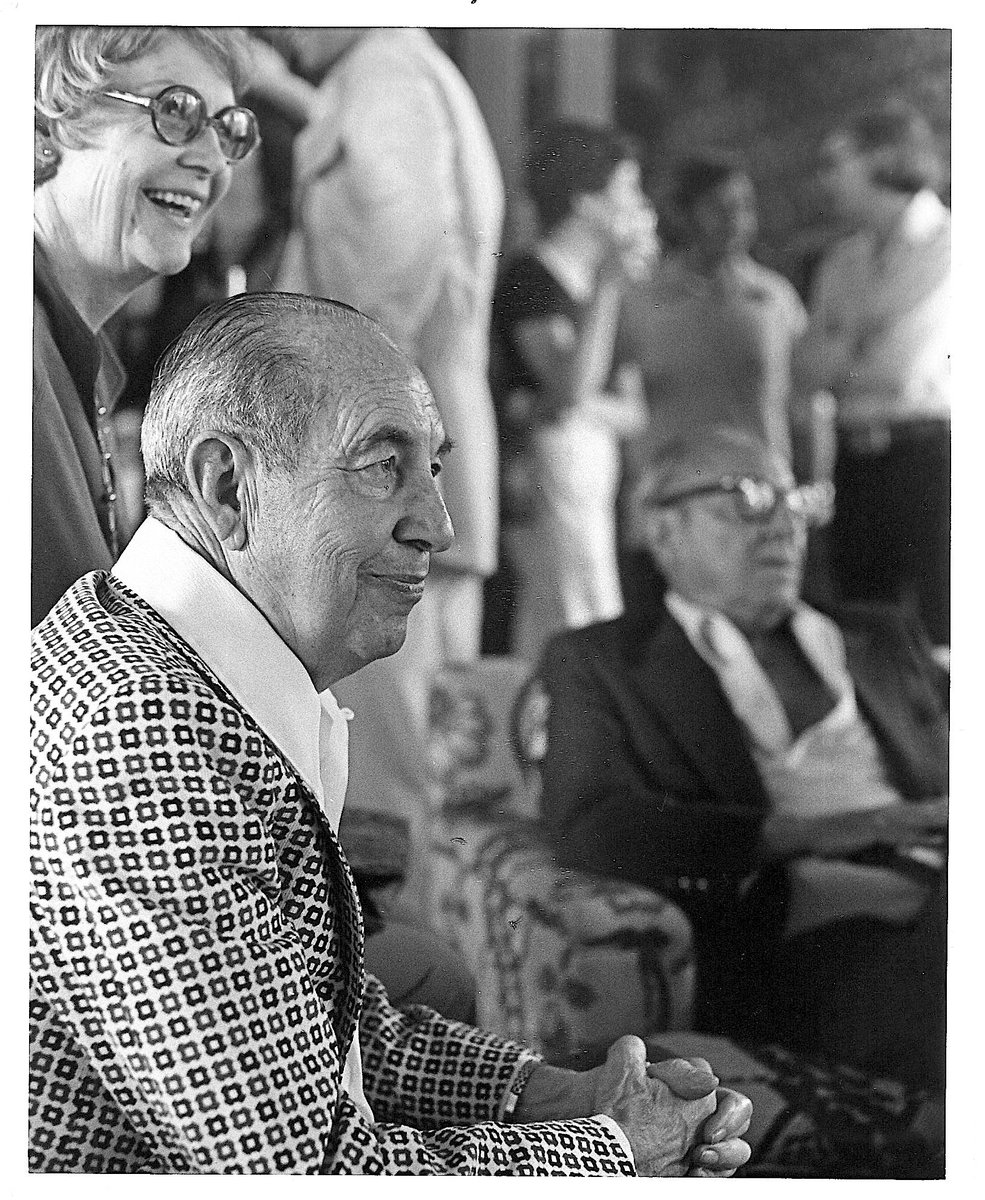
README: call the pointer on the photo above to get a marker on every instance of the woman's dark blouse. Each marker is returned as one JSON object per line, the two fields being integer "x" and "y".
{"x": 77, "y": 379}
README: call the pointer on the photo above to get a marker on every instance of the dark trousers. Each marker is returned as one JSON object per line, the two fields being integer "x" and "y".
{"x": 866, "y": 992}
{"x": 890, "y": 538}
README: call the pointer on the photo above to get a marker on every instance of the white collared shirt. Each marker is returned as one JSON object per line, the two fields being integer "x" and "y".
{"x": 834, "y": 765}
{"x": 894, "y": 301}
{"x": 235, "y": 640}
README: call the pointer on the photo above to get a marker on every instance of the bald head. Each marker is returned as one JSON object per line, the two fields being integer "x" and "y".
{"x": 258, "y": 366}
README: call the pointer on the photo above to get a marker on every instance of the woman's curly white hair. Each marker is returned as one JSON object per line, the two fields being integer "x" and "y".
{"x": 74, "y": 62}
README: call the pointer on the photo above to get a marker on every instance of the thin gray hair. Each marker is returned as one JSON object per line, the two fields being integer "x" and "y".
{"x": 245, "y": 367}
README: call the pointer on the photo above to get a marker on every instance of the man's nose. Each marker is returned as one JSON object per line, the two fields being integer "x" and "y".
{"x": 426, "y": 520}
{"x": 784, "y": 521}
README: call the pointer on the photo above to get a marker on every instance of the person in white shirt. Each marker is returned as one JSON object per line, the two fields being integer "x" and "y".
{"x": 398, "y": 210}
{"x": 756, "y": 759}
{"x": 200, "y": 1002}
{"x": 878, "y": 340}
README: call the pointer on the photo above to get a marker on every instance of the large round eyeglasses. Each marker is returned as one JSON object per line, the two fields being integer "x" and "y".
{"x": 179, "y": 114}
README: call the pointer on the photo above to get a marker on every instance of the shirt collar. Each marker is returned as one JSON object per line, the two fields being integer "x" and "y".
{"x": 725, "y": 649}
{"x": 234, "y": 639}
{"x": 720, "y": 642}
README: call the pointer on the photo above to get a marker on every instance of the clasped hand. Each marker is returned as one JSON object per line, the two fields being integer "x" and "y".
{"x": 676, "y": 1117}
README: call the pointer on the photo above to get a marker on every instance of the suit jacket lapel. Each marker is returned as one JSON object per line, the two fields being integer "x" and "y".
{"x": 686, "y": 695}
{"x": 900, "y": 707}
{"x": 347, "y": 913}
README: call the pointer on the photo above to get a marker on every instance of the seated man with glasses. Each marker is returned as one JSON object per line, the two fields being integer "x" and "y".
{"x": 781, "y": 773}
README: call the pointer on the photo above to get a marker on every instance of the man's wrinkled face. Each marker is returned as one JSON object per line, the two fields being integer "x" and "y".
{"x": 750, "y": 571}
{"x": 345, "y": 540}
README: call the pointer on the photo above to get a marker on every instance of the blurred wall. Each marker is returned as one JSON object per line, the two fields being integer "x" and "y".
{"x": 523, "y": 78}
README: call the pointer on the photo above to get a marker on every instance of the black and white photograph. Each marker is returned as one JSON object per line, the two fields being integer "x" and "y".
{"x": 490, "y": 584}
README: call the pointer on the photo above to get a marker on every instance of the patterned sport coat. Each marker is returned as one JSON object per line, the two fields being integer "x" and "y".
{"x": 197, "y": 945}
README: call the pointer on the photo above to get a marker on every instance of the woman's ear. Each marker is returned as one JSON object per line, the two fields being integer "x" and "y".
{"x": 46, "y": 156}
{"x": 219, "y": 468}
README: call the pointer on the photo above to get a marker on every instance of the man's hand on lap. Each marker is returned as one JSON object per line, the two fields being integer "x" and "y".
{"x": 675, "y": 1117}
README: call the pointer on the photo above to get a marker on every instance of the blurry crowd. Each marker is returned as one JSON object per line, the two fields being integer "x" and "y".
{"x": 635, "y": 317}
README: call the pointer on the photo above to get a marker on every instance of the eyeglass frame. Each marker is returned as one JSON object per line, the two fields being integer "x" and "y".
{"x": 738, "y": 485}
{"x": 149, "y": 102}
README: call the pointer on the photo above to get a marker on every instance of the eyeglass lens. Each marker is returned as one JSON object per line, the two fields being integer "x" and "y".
{"x": 760, "y": 501}
{"x": 180, "y": 116}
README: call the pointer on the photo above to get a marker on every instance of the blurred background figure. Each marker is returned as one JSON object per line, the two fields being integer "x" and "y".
{"x": 398, "y": 204}
{"x": 878, "y": 340}
{"x": 780, "y": 772}
{"x": 126, "y": 176}
{"x": 714, "y": 330}
{"x": 564, "y": 398}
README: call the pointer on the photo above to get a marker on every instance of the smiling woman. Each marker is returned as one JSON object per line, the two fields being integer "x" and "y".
{"x": 136, "y": 129}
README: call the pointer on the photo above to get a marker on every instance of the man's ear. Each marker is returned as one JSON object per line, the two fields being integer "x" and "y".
{"x": 220, "y": 471}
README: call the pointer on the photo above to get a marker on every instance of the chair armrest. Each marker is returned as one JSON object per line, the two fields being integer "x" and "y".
{"x": 584, "y": 907}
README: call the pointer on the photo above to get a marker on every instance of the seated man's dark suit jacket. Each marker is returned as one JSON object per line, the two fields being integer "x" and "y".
{"x": 648, "y": 776}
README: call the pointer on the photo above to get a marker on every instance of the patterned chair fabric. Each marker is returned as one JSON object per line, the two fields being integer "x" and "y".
{"x": 563, "y": 961}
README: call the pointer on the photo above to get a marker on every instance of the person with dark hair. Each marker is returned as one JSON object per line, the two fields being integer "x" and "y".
{"x": 878, "y": 341}
{"x": 565, "y": 402}
{"x": 136, "y": 135}
{"x": 714, "y": 330}
{"x": 200, "y": 1002}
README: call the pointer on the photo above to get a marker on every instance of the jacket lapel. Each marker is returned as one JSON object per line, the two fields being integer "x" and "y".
{"x": 684, "y": 693}
{"x": 901, "y": 706}
{"x": 346, "y": 912}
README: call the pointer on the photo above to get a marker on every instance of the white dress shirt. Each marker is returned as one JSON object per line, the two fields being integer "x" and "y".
{"x": 894, "y": 300}
{"x": 833, "y": 766}
{"x": 235, "y": 640}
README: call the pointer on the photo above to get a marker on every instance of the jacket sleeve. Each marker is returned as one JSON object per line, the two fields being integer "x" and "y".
{"x": 616, "y": 812}
{"x": 450, "y": 1080}
{"x": 186, "y": 951}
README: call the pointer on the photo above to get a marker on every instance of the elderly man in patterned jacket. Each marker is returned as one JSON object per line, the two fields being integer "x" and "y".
{"x": 199, "y": 1000}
